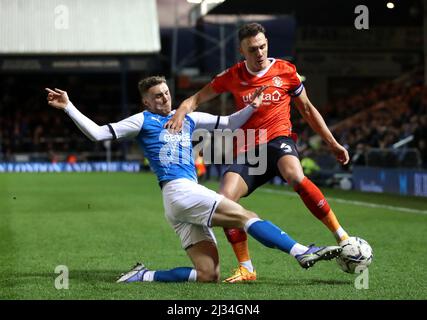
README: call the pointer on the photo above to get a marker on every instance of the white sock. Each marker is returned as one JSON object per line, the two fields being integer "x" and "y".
{"x": 340, "y": 234}
{"x": 250, "y": 222}
{"x": 298, "y": 249}
{"x": 248, "y": 265}
{"x": 193, "y": 276}
{"x": 148, "y": 276}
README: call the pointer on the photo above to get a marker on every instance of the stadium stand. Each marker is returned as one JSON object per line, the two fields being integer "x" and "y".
{"x": 374, "y": 119}
{"x": 370, "y": 123}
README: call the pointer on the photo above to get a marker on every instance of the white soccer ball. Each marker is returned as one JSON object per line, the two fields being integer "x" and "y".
{"x": 356, "y": 255}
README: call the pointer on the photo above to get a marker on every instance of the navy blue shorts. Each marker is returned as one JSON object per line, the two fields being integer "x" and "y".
{"x": 276, "y": 148}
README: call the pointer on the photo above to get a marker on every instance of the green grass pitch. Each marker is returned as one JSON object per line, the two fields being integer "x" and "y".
{"x": 100, "y": 224}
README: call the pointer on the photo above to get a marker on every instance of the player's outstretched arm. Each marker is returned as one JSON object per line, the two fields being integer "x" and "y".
{"x": 239, "y": 118}
{"x": 189, "y": 105}
{"x": 59, "y": 99}
{"x": 316, "y": 122}
{"x": 236, "y": 120}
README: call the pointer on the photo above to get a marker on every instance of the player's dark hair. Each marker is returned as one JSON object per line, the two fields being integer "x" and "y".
{"x": 250, "y": 30}
{"x": 145, "y": 84}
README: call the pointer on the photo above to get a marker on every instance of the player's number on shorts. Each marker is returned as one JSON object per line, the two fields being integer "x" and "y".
{"x": 286, "y": 147}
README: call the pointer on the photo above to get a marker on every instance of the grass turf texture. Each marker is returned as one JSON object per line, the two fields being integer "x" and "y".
{"x": 100, "y": 224}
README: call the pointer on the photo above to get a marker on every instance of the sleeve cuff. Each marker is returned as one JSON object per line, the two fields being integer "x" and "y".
{"x": 69, "y": 107}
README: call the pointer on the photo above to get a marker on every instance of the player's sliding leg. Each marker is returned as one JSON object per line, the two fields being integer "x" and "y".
{"x": 204, "y": 256}
{"x": 234, "y": 187}
{"x": 231, "y": 214}
{"x": 313, "y": 198}
{"x": 139, "y": 273}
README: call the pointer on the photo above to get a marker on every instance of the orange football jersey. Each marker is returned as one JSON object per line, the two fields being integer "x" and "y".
{"x": 274, "y": 113}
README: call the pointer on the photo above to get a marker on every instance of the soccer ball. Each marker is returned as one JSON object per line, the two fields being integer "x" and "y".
{"x": 356, "y": 255}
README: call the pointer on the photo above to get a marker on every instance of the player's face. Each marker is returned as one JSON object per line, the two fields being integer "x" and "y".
{"x": 255, "y": 50}
{"x": 158, "y": 99}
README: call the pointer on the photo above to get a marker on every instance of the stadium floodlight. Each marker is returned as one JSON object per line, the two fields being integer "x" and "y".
{"x": 202, "y": 8}
{"x": 390, "y": 5}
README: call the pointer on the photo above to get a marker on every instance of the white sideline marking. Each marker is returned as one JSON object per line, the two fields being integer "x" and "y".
{"x": 353, "y": 202}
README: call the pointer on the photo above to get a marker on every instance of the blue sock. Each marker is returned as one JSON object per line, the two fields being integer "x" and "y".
{"x": 271, "y": 236}
{"x": 181, "y": 274}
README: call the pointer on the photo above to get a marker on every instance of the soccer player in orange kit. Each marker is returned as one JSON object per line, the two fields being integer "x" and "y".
{"x": 283, "y": 84}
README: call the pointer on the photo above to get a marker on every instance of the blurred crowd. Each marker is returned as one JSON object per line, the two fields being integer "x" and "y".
{"x": 375, "y": 118}
{"x": 31, "y": 130}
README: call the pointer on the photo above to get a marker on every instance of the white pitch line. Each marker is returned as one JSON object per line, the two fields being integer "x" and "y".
{"x": 353, "y": 202}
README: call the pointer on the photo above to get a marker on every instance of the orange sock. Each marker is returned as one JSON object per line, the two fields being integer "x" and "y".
{"x": 239, "y": 241}
{"x": 315, "y": 201}
{"x": 331, "y": 221}
{"x": 241, "y": 250}
{"x": 313, "y": 198}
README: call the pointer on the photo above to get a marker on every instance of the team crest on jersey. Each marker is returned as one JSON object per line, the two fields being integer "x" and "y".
{"x": 277, "y": 82}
